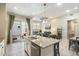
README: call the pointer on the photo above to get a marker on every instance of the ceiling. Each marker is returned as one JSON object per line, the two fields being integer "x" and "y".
{"x": 39, "y": 10}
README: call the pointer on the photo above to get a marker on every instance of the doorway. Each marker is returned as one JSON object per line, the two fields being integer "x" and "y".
{"x": 71, "y": 30}
{"x": 16, "y": 47}
{"x": 17, "y": 30}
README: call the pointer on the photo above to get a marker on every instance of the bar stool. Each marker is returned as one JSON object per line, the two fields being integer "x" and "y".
{"x": 56, "y": 49}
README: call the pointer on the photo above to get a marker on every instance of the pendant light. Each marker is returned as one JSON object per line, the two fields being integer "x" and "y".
{"x": 44, "y": 15}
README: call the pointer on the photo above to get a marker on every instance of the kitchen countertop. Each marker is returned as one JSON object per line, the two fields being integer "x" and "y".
{"x": 43, "y": 41}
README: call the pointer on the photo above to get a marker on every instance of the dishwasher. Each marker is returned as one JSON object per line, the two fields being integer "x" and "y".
{"x": 35, "y": 50}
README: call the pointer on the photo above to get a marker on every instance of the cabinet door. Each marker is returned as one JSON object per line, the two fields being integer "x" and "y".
{"x": 0, "y": 50}
{"x": 29, "y": 48}
{"x": 25, "y": 46}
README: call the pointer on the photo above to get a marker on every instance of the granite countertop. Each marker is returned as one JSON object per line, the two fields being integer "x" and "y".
{"x": 44, "y": 41}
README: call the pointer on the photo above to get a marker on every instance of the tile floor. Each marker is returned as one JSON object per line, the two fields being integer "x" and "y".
{"x": 64, "y": 51}
{"x": 17, "y": 49}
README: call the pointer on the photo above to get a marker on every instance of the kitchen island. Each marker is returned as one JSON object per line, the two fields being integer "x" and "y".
{"x": 41, "y": 46}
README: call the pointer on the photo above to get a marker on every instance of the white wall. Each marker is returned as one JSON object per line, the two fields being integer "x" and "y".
{"x": 54, "y": 25}
{"x": 63, "y": 23}
{"x": 3, "y": 20}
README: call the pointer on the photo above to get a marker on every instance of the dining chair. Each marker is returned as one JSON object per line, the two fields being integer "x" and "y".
{"x": 77, "y": 45}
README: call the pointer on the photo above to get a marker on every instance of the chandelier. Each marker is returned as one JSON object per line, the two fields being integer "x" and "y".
{"x": 44, "y": 16}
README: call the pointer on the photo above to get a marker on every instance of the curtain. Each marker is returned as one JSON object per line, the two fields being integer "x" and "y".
{"x": 11, "y": 21}
{"x": 28, "y": 23}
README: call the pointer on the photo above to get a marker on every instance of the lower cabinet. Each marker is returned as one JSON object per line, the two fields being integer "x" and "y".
{"x": 2, "y": 48}
{"x": 47, "y": 51}
{"x": 28, "y": 47}
{"x": 25, "y": 46}
{"x": 35, "y": 50}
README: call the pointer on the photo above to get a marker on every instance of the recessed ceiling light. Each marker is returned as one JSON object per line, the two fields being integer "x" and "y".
{"x": 67, "y": 10}
{"x": 75, "y": 7}
{"x": 15, "y": 8}
{"x": 59, "y": 4}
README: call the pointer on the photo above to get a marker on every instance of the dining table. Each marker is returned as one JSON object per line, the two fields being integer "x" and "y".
{"x": 73, "y": 39}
